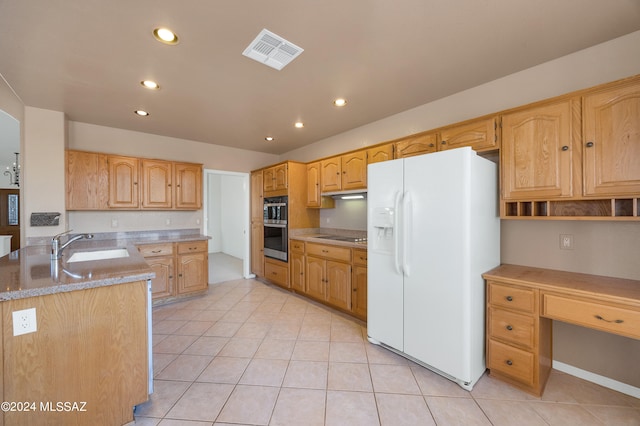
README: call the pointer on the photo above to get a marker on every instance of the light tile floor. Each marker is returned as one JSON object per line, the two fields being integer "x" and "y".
{"x": 247, "y": 353}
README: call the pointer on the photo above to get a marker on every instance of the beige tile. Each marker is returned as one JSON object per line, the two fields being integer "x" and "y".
{"x": 405, "y": 410}
{"x": 489, "y": 387}
{"x": 506, "y": 413}
{"x": 174, "y": 344}
{"x": 351, "y": 409}
{"x": 433, "y": 384}
{"x": 246, "y": 305}
{"x": 315, "y": 331}
{"x": 210, "y": 315}
{"x": 619, "y": 416}
{"x": 195, "y": 328}
{"x": 253, "y": 330}
{"x": 265, "y": 372}
{"x": 160, "y": 361}
{"x": 224, "y": 370}
{"x": 185, "y": 367}
{"x": 295, "y": 306}
{"x": 240, "y": 347}
{"x": 202, "y": 401}
{"x": 207, "y": 345}
{"x": 171, "y": 422}
{"x": 263, "y": 317}
{"x": 347, "y": 352}
{"x": 393, "y": 379}
{"x": 272, "y": 307}
{"x": 184, "y": 314}
{"x": 275, "y": 349}
{"x": 349, "y": 377}
{"x": 456, "y": 411}
{"x": 563, "y": 387}
{"x": 296, "y": 407}
{"x": 236, "y": 316}
{"x": 223, "y": 329}
{"x": 311, "y": 351}
{"x": 306, "y": 374}
{"x": 556, "y": 414}
{"x": 250, "y": 404}
{"x": 346, "y": 333}
{"x": 284, "y": 330}
{"x": 379, "y": 355}
{"x": 144, "y": 421}
{"x": 165, "y": 394}
{"x": 168, "y": 326}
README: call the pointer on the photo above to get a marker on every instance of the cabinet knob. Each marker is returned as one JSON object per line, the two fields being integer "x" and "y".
{"x": 509, "y": 328}
{"x": 431, "y": 145}
{"x": 509, "y": 362}
{"x": 565, "y": 148}
{"x": 509, "y": 299}
{"x": 589, "y": 144}
{"x": 443, "y": 142}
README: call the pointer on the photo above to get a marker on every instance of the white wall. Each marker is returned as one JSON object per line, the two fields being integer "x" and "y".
{"x": 226, "y": 208}
{"x": 214, "y": 212}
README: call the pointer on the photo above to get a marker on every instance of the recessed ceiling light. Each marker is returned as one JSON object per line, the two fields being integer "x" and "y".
{"x": 141, "y": 113}
{"x": 165, "y": 35}
{"x": 299, "y": 124}
{"x": 150, "y": 84}
{"x": 340, "y": 102}
{"x": 268, "y": 138}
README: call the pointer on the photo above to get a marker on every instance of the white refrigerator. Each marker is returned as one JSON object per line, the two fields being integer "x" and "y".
{"x": 433, "y": 229}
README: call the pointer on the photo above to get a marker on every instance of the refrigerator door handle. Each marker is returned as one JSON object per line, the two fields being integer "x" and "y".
{"x": 396, "y": 234}
{"x": 407, "y": 216}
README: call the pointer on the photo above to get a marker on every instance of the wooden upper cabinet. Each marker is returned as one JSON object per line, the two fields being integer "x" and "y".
{"x": 481, "y": 135}
{"x": 275, "y": 178}
{"x": 188, "y": 186}
{"x": 540, "y": 152}
{"x": 313, "y": 184}
{"x": 354, "y": 170}
{"x": 87, "y": 181}
{"x": 380, "y": 153}
{"x": 416, "y": 145}
{"x": 331, "y": 174}
{"x": 612, "y": 142}
{"x": 157, "y": 191}
{"x": 123, "y": 182}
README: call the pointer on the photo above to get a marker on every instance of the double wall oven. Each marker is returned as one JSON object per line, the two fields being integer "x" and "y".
{"x": 275, "y": 228}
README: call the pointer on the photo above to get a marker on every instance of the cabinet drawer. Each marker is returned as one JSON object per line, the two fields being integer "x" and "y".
{"x": 359, "y": 257}
{"x": 192, "y": 247}
{"x": 512, "y": 327}
{"x": 149, "y": 250}
{"x": 510, "y": 361}
{"x": 612, "y": 319}
{"x": 329, "y": 252}
{"x": 296, "y": 246}
{"x": 276, "y": 272}
{"x": 508, "y": 296}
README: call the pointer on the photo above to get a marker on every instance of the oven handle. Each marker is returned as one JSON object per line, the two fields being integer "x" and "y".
{"x": 275, "y": 225}
{"x": 275, "y": 204}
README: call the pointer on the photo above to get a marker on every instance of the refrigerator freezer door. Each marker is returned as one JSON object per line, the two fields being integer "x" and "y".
{"x": 385, "y": 285}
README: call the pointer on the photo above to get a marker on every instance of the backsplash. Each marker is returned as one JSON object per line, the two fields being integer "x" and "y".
{"x": 347, "y": 214}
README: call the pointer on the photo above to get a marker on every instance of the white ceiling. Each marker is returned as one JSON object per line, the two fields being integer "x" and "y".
{"x": 87, "y": 57}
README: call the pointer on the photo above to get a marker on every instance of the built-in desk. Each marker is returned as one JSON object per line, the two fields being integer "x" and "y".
{"x": 521, "y": 303}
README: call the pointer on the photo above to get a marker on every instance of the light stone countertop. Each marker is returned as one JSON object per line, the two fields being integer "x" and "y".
{"x": 30, "y": 272}
{"x": 314, "y": 235}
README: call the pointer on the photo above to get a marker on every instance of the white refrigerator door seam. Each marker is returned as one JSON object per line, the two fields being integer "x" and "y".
{"x": 396, "y": 234}
{"x": 407, "y": 213}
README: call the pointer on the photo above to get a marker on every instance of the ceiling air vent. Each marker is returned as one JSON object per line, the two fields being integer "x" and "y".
{"x": 272, "y": 50}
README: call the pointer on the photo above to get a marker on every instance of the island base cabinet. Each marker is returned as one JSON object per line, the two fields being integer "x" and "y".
{"x": 89, "y": 354}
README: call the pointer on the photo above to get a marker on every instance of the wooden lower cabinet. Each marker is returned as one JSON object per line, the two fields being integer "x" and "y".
{"x": 296, "y": 265}
{"x": 277, "y": 272}
{"x": 193, "y": 267}
{"x": 359, "y": 284}
{"x": 338, "y": 281}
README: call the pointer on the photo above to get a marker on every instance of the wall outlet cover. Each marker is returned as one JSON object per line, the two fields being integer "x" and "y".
{"x": 24, "y": 321}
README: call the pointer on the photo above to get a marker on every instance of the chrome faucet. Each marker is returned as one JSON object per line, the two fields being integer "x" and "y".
{"x": 56, "y": 248}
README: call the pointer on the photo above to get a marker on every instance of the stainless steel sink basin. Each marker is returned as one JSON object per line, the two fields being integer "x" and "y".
{"x": 84, "y": 256}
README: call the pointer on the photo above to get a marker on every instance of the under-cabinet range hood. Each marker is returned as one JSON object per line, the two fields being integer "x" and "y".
{"x": 347, "y": 195}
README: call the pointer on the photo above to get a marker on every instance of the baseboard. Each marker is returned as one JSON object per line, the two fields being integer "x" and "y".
{"x": 597, "y": 379}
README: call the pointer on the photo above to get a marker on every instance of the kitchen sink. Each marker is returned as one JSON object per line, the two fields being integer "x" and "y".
{"x": 84, "y": 256}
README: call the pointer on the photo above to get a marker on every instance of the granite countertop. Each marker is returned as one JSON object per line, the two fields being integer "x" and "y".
{"x": 30, "y": 272}
{"x": 317, "y": 235}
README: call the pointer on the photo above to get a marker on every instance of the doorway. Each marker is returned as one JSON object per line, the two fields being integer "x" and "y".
{"x": 10, "y": 179}
{"x": 226, "y": 221}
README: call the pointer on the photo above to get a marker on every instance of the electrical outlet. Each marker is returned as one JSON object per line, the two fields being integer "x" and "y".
{"x": 168, "y": 222}
{"x": 114, "y": 223}
{"x": 24, "y": 321}
{"x": 566, "y": 242}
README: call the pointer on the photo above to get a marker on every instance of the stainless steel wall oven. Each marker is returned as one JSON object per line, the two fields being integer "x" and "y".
{"x": 275, "y": 228}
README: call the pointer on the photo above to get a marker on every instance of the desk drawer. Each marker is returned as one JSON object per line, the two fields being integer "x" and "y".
{"x": 522, "y": 299}
{"x": 512, "y": 327}
{"x": 618, "y": 320}
{"x": 510, "y": 361}
{"x": 160, "y": 249}
{"x": 329, "y": 252}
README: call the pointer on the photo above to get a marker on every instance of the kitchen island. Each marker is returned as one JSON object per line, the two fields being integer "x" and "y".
{"x": 87, "y": 362}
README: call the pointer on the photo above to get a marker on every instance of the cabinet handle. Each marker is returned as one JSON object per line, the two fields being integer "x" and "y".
{"x": 180, "y": 275}
{"x": 443, "y": 142}
{"x": 589, "y": 144}
{"x": 509, "y": 362}
{"x": 431, "y": 145}
{"x": 170, "y": 277}
{"x": 325, "y": 251}
{"x": 156, "y": 251}
{"x": 509, "y": 299}
{"x": 618, "y": 321}
{"x": 355, "y": 289}
{"x": 565, "y": 148}
{"x": 509, "y": 328}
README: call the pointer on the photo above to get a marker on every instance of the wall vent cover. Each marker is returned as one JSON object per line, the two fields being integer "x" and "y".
{"x": 272, "y": 50}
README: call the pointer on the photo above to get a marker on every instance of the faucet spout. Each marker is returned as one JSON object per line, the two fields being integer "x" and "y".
{"x": 56, "y": 248}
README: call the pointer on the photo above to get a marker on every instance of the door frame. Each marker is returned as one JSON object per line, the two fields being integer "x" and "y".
{"x": 246, "y": 246}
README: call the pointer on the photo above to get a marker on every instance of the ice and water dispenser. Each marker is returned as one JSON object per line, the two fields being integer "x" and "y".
{"x": 382, "y": 222}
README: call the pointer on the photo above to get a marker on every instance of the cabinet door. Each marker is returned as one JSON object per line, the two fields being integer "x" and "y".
{"x": 612, "y": 142}
{"x": 257, "y": 248}
{"x": 162, "y": 284}
{"x": 257, "y": 201}
{"x": 480, "y": 135}
{"x": 281, "y": 177}
{"x": 331, "y": 170}
{"x": 359, "y": 292}
{"x": 338, "y": 284}
{"x": 269, "y": 179}
{"x": 297, "y": 272}
{"x": 539, "y": 150}
{"x": 188, "y": 186}
{"x": 380, "y": 153}
{"x": 123, "y": 182}
{"x": 315, "y": 278}
{"x": 192, "y": 272}
{"x": 313, "y": 184}
{"x": 354, "y": 170}
{"x": 156, "y": 184}
{"x": 416, "y": 145}
{"x": 87, "y": 181}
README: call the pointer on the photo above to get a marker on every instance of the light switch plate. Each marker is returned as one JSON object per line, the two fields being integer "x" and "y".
{"x": 24, "y": 321}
